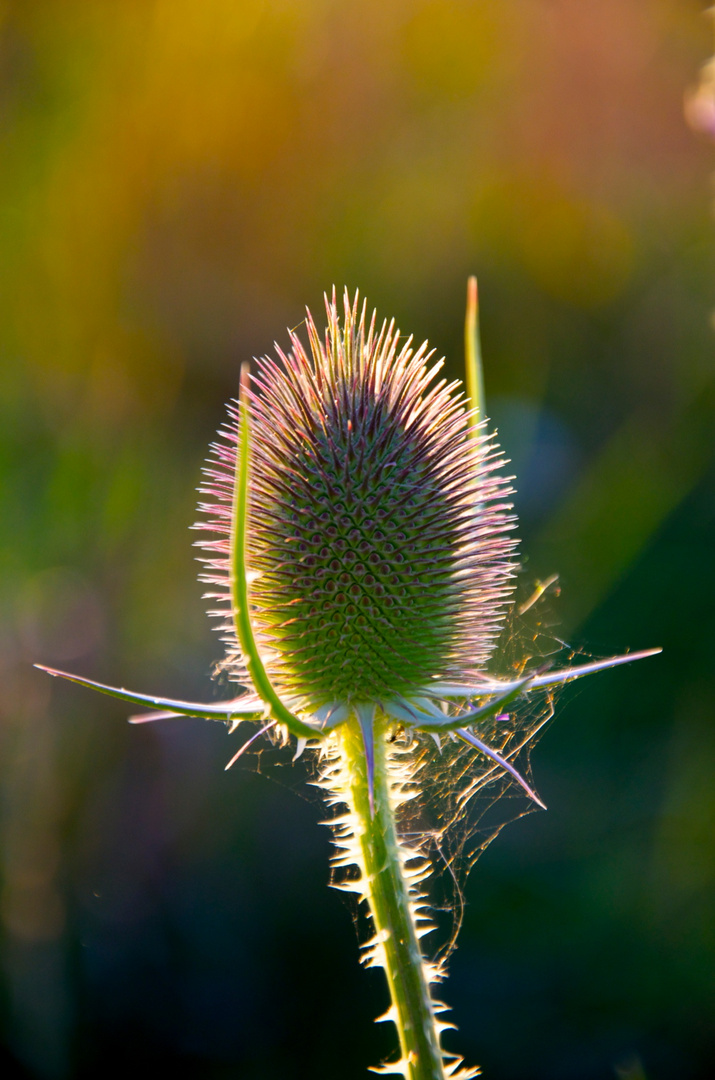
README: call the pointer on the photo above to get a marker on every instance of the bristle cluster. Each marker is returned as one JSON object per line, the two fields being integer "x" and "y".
{"x": 337, "y": 784}
{"x": 378, "y": 544}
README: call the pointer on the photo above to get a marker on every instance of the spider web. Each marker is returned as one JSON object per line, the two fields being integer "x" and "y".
{"x": 465, "y": 799}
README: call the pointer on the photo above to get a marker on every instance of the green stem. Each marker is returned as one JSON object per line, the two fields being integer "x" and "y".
{"x": 385, "y": 886}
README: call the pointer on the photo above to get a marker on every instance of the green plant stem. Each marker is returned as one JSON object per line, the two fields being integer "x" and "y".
{"x": 387, "y": 892}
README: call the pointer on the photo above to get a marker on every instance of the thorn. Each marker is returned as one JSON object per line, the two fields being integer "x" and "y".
{"x": 302, "y": 743}
{"x": 487, "y": 750}
{"x": 246, "y": 745}
{"x": 473, "y": 357}
{"x": 389, "y": 1017}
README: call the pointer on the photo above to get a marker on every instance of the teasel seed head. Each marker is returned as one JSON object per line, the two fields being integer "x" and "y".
{"x": 379, "y": 547}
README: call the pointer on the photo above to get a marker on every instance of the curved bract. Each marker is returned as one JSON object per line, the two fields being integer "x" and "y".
{"x": 240, "y": 611}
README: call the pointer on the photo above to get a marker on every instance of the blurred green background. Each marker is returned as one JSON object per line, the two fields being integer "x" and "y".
{"x": 178, "y": 178}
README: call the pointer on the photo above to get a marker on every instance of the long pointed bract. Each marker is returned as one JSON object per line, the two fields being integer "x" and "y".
{"x": 225, "y": 710}
{"x": 441, "y": 722}
{"x": 239, "y": 586}
{"x": 473, "y": 357}
{"x": 467, "y": 736}
{"x": 249, "y": 742}
{"x": 489, "y": 686}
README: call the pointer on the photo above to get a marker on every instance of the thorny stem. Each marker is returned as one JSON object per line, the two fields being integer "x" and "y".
{"x": 393, "y": 905}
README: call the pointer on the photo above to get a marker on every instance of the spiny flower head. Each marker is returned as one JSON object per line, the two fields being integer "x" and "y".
{"x": 378, "y": 538}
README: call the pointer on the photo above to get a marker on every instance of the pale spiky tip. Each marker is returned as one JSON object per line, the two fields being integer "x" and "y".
{"x": 378, "y": 542}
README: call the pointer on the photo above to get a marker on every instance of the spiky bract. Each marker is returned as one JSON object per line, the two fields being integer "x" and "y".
{"x": 378, "y": 543}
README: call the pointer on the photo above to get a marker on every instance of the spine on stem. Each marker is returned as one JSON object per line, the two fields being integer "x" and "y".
{"x": 390, "y": 875}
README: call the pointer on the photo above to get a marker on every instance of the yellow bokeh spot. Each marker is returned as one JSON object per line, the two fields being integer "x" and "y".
{"x": 450, "y": 47}
{"x": 578, "y": 251}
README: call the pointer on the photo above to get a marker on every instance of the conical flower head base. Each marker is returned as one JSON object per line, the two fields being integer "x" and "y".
{"x": 378, "y": 543}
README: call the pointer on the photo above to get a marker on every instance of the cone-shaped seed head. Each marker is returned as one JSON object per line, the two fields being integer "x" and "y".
{"x": 378, "y": 532}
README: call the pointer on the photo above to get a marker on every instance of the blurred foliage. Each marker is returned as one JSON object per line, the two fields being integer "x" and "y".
{"x": 179, "y": 177}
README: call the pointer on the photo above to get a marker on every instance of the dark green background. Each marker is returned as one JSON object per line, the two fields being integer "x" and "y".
{"x": 178, "y": 178}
